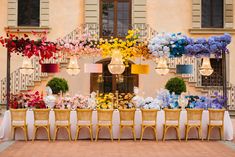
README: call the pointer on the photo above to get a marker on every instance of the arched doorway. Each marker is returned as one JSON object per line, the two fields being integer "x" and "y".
{"x": 109, "y": 83}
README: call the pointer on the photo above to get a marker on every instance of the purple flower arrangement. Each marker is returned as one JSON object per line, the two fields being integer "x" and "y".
{"x": 216, "y": 101}
{"x": 176, "y": 45}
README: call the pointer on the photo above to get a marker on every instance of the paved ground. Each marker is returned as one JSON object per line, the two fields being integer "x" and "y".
{"x": 118, "y": 149}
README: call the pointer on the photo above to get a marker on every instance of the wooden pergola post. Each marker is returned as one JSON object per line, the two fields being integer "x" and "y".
{"x": 8, "y": 81}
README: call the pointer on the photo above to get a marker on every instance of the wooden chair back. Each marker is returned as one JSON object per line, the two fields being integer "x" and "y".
{"x": 127, "y": 114}
{"x": 194, "y": 114}
{"x": 172, "y": 114}
{"x": 105, "y": 115}
{"x": 41, "y": 114}
{"x": 62, "y": 114}
{"x": 84, "y": 115}
{"x": 216, "y": 115}
{"x": 18, "y": 115}
{"x": 149, "y": 115}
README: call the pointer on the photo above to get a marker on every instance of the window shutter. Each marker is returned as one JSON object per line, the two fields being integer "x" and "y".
{"x": 196, "y": 14}
{"x": 44, "y": 13}
{"x": 138, "y": 11}
{"x": 12, "y": 13}
{"x": 228, "y": 15}
{"x": 91, "y": 11}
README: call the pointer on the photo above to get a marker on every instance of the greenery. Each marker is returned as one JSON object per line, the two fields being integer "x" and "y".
{"x": 176, "y": 85}
{"x": 58, "y": 84}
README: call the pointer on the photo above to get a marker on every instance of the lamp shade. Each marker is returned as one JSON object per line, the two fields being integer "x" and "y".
{"x": 93, "y": 68}
{"x": 206, "y": 69}
{"x": 139, "y": 69}
{"x": 50, "y": 68}
{"x": 184, "y": 69}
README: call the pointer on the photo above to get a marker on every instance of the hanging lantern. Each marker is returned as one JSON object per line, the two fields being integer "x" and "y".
{"x": 27, "y": 66}
{"x": 73, "y": 67}
{"x": 116, "y": 65}
{"x": 50, "y": 68}
{"x": 93, "y": 68}
{"x": 206, "y": 69}
{"x": 162, "y": 67}
{"x": 184, "y": 69}
{"x": 139, "y": 69}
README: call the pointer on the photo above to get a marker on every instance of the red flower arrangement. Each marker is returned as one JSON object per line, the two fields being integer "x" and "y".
{"x": 24, "y": 100}
{"x": 27, "y": 47}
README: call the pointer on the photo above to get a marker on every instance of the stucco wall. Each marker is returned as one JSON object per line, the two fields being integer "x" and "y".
{"x": 65, "y": 16}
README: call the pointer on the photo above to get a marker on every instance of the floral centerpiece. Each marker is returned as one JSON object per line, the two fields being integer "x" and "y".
{"x": 105, "y": 101}
{"x": 124, "y": 101}
{"x": 27, "y": 100}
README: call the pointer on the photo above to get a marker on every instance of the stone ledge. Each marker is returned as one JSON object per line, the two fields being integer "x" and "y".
{"x": 26, "y": 29}
{"x": 211, "y": 30}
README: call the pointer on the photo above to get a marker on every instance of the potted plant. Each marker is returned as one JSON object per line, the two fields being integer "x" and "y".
{"x": 176, "y": 85}
{"x": 58, "y": 85}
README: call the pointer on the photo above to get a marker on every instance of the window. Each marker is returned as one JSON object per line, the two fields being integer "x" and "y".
{"x": 216, "y": 78}
{"x": 106, "y": 82}
{"x": 212, "y": 13}
{"x": 115, "y": 17}
{"x": 28, "y": 12}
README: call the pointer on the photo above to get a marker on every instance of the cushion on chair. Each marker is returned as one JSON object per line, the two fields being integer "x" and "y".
{"x": 83, "y": 122}
{"x": 19, "y": 123}
{"x": 172, "y": 122}
{"x": 104, "y": 123}
{"x": 146, "y": 122}
{"x": 125, "y": 122}
{"x": 216, "y": 122}
{"x": 41, "y": 122}
{"x": 62, "y": 122}
{"x": 194, "y": 122}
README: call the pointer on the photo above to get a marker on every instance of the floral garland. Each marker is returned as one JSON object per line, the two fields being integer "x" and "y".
{"x": 176, "y": 45}
{"x": 27, "y": 47}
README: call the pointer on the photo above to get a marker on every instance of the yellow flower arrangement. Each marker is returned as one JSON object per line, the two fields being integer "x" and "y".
{"x": 105, "y": 101}
{"x": 126, "y": 47}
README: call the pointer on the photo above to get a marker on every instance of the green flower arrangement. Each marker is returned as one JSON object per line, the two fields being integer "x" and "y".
{"x": 58, "y": 85}
{"x": 176, "y": 85}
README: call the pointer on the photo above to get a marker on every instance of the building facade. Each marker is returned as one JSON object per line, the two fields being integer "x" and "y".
{"x": 105, "y": 18}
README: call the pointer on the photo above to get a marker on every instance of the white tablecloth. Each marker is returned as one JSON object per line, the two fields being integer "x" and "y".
{"x": 5, "y": 130}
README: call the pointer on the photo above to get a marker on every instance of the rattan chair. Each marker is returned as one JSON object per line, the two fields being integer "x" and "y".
{"x": 172, "y": 120}
{"x": 127, "y": 119}
{"x": 18, "y": 120}
{"x": 62, "y": 120}
{"x": 216, "y": 120}
{"x": 194, "y": 120}
{"x": 84, "y": 119}
{"x": 105, "y": 119}
{"x": 149, "y": 119}
{"x": 41, "y": 120}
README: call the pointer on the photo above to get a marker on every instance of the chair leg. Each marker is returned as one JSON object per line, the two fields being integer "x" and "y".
{"x": 209, "y": 133}
{"x": 186, "y": 133}
{"x": 25, "y": 133}
{"x": 221, "y": 133}
{"x": 164, "y": 133}
{"x": 69, "y": 132}
{"x": 55, "y": 133}
{"x": 34, "y": 132}
{"x": 13, "y": 133}
{"x": 97, "y": 133}
{"x": 133, "y": 131}
{"x": 77, "y": 133}
{"x": 178, "y": 133}
{"x": 201, "y": 133}
{"x": 120, "y": 133}
{"x": 142, "y": 133}
{"x": 111, "y": 133}
{"x": 155, "y": 133}
{"x": 48, "y": 133}
{"x": 91, "y": 132}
